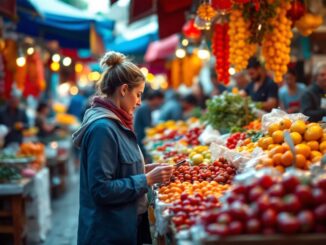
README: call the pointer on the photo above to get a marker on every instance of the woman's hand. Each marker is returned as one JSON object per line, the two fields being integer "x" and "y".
{"x": 151, "y": 166}
{"x": 159, "y": 174}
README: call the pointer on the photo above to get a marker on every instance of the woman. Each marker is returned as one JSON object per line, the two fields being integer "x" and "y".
{"x": 290, "y": 93}
{"x": 45, "y": 130}
{"x": 113, "y": 183}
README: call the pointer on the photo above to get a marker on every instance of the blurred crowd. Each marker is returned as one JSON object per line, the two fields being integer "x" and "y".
{"x": 292, "y": 96}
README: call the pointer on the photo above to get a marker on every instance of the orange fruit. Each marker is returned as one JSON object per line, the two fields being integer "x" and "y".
{"x": 277, "y": 159}
{"x": 266, "y": 142}
{"x": 300, "y": 161}
{"x": 280, "y": 168}
{"x": 322, "y": 146}
{"x": 271, "y": 147}
{"x": 316, "y": 159}
{"x": 272, "y": 128}
{"x": 298, "y": 126}
{"x": 267, "y": 162}
{"x": 286, "y": 147}
{"x": 276, "y": 149}
{"x": 315, "y": 154}
{"x": 314, "y": 132}
{"x": 303, "y": 149}
{"x": 285, "y": 124}
{"x": 324, "y": 137}
{"x": 314, "y": 145}
{"x": 278, "y": 136}
{"x": 296, "y": 137}
{"x": 287, "y": 159}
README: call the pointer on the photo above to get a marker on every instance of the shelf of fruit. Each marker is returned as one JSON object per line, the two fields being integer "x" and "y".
{"x": 204, "y": 185}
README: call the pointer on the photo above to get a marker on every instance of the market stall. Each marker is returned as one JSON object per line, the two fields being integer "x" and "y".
{"x": 239, "y": 179}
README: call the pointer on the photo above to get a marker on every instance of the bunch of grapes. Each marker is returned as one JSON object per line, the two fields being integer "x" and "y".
{"x": 240, "y": 48}
{"x": 276, "y": 44}
{"x": 220, "y": 48}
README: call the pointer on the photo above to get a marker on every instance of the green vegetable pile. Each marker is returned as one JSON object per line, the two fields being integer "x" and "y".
{"x": 8, "y": 173}
{"x": 228, "y": 111}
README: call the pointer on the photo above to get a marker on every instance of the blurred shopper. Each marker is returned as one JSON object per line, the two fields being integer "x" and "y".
{"x": 290, "y": 93}
{"x": 171, "y": 109}
{"x": 45, "y": 129}
{"x": 77, "y": 105}
{"x": 190, "y": 106}
{"x": 261, "y": 88}
{"x": 313, "y": 101}
{"x": 14, "y": 118}
{"x": 241, "y": 80}
{"x": 218, "y": 88}
{"x": 143, "y": 116}
{"x": 113, "y": 183}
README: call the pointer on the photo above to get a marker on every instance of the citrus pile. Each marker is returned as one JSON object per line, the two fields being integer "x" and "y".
{"x": 309, "y": 140}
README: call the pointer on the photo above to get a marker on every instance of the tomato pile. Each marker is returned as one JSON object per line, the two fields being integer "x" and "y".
{"x": 220, "y": 171}
{"x": 269, "y": 205}
{"x": 233, "y": 140}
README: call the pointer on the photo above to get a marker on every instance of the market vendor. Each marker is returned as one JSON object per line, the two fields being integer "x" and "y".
{"x": 261, "y": 88}
{"x": 113, "y": 177}
{"x": 14, "y": 118}
{"x": 143, "y": 116}
{"x": 313, "y": 100}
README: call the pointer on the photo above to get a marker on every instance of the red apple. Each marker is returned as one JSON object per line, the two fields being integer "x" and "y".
{"x": 224, "y": 218}
{"x": 269, "y": 217}
{"x": 235, "y": 228}
{"x": 266, "y": 181}
{"x": 253, "y": 226}
{"x": 287, "y": 223}
{"x": 321, "y": 183}
{"x": 255, "y": 193}
{"x": 276, "y": 190}
{"x": 291, "y": 203}
{"x": 319, "y": 196}
{"x": 289, "y": 183}
{"x": 304, "y": 195}
{"x": 320, "y": 212}
{"x": 307, "y": 220}
{"x": 217, "y": 229}
{"x": 277, "y": 204}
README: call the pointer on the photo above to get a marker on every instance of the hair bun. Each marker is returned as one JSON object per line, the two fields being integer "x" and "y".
{"x": 112, "y": 59}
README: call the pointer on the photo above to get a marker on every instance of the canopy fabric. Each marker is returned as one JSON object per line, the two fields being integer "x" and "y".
{"x": 162, "y": 48}
{"x": 62, "y": 22}
{"x": 135, "y": 46}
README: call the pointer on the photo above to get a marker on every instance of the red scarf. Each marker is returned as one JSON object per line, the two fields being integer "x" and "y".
{"x": 125, "y": 118}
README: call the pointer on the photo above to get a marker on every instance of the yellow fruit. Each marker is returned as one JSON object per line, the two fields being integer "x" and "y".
{"x": 280, "y": 168}
{"x": 298, "y": 126}
{"x": 272, "y": 128}
{"x": 266, "y": 141}
{"x": 285, "y": 124}
{"x": 296, "y": 137}
{"x": 314, "y": 132}
{"x": 314, "y": 145}
{"x": 303, "y": 149}
{"x": 278, "y": 137}
{"x": 267, "y": 162}
{"x": 197, "y": 159}
{"x": 315, "y": 154}
{"x": 324, "y": 137}
{"x": 275, "y": 150}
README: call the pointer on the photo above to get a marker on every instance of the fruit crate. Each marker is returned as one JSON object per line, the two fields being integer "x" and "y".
{"x": 302, "y": 239}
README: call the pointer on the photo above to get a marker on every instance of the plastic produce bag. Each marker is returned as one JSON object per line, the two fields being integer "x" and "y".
{"x": 210, "y": 135}
{"x": 276, "y": 115}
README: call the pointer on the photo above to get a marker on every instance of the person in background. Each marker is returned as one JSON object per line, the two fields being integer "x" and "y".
{"x": 290, "y": 93}
{"x": 190, "y": 106}
{"x": 143, "y": 116}
{"x": 45, "y": 129}
{"x": 171, "y": 109}
{"x": 218, "y": 88}
{"x": 313, "y": 100}
{"x": 261, "y": 87}
{"x": 77, "y": 105}
{"x": 113, "y": 178}
{"x": 14, "y": 118}
{"x": 241, "y": 80}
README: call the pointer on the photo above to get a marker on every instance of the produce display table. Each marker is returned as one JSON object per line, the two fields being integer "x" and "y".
{"x": 12, "y": 209}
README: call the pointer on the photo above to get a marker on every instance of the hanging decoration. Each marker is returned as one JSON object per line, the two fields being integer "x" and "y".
{"x": 276, "y": 43}
{"x": 220, "y": 48}
{"x": 223, "y": 6}
{"x": 206, "y": 12}
{"x": 296, "y": 11}
{"x": 240, "y": 48}
{"x": 189, "y": 30}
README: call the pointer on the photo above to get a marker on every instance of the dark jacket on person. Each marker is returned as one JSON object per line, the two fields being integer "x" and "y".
{"x": 8, "y": 118}
{"x": 310, "y": 103}
{"x": 112, "y": 181}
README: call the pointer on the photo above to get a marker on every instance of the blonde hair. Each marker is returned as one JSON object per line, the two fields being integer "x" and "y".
{"x": 118, "y": 70}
